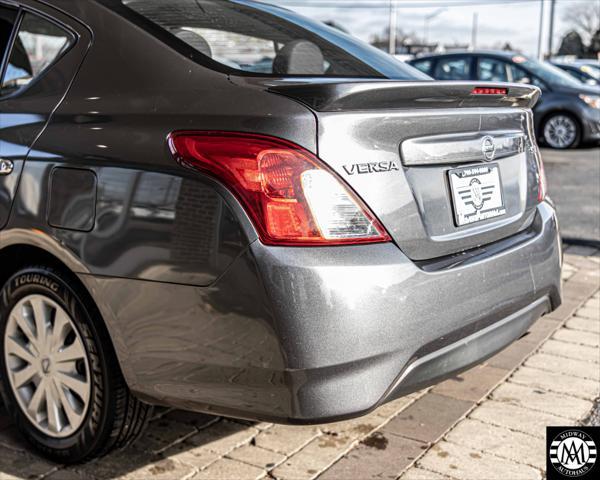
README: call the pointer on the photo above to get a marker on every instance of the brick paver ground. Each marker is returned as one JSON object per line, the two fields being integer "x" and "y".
{"x": 486, "y": 423}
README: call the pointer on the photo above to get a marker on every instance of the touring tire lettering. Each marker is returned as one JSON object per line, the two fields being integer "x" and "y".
{"x": 37, "y": 279}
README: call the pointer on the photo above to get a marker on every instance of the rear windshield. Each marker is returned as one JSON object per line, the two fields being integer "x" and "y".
{"x": 253, "y": 38}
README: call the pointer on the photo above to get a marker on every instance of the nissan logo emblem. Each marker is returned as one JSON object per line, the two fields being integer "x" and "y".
{"x": 488, "y": 148}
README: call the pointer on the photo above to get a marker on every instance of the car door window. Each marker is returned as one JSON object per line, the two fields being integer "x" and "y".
{"x": 8, "y": 16}
{"x": 518, "y": 75}
{"x": 577, "y": 75}
{"x": 492, "y": 70}
{"x": 37, "y": 44}
{"x": 423, "y": 65}
{"x": 455, "y": 68}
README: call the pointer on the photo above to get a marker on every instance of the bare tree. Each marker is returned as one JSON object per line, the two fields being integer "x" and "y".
{"x": 381, "y": 40}
{"x": 583, "y": 17}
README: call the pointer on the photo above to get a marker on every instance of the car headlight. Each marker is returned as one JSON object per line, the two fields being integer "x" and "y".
{"x": 592, "y": 100}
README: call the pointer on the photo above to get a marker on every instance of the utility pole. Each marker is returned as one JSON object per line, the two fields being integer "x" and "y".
{"x": 540, "y": 54}
{"x": 474, "y": 31}
{"x": 393, "y": 19}
{"x": 551, "y": 32}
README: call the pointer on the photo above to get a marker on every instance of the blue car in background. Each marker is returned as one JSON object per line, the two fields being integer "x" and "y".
{"x": 586, "y": 71}
{"x": 568, "y": 112}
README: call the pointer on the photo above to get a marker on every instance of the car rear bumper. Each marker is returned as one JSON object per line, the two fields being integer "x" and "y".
{"x": 591, "y": 124}
{"x": 468, "y": 351}
{"x": 309, "y": 335}
{"x": 591, "y": 131}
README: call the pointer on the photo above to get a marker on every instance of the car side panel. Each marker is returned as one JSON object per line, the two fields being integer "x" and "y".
{"x": 24, "y": 114}
{"x": 148, "y": 225}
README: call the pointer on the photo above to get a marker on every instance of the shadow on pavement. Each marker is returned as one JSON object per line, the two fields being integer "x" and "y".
{"x": 176, "y": 444}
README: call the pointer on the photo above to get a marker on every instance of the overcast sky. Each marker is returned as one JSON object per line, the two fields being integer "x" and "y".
{"x": 516, "y": 21}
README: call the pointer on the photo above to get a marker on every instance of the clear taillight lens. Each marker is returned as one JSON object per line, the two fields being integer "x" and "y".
{"x": 541, "y": 174}
{"x": 291, "y": 197}
{"x": 542, "y": 181}
{"x": 336, "y": 213}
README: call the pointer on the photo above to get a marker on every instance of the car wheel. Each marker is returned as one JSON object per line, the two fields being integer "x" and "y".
{"x": 561, "y": 131}
{"x": 59, "y": 377}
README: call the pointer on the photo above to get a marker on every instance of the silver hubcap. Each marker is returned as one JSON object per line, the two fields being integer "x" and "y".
{"x": 560, "y": 131}
{"x": 47, "y": 365}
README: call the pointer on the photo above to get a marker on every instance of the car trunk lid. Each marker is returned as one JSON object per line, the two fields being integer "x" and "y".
{"x": 399, "y": 144}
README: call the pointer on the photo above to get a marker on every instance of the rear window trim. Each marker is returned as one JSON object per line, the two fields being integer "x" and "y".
{"x": 23, "y": 9}
{"x": 191, "y": 53}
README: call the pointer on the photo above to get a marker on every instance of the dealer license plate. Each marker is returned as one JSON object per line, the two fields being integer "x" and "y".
{"x": 476, "y": 193}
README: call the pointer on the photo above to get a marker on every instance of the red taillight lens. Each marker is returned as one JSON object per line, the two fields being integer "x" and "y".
{"x": 489, "y": 91}
{"x": 291, "y": 197}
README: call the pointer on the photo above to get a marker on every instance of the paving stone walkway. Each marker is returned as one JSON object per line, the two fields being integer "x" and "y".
{"x": 488, "y": 423}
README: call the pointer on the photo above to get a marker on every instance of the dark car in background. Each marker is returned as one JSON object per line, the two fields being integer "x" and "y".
{"x": 586, "y": 71}
{"x": 568, "y": 111}
{"x": 230, "y": 208}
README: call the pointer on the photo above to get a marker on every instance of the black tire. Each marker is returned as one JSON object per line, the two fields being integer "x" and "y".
{"x": 575, "y": 137}
{"x": 114, "y": 418}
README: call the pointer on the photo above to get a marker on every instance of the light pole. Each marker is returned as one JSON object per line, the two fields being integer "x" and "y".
{"x": 393, "y": 18}
{"x": 427, "y": 18}
{"x": 551, "y": 32}
{"x": 474, "y": 31}
{"x": 540, "y": 54}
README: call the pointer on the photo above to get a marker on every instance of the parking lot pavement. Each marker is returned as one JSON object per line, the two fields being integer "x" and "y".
{"x": 574, "y": 184}
{"x": 488, "y": 422}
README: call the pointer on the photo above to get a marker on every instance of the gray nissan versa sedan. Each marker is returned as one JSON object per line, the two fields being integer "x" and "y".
{"x": 226, "y": 207}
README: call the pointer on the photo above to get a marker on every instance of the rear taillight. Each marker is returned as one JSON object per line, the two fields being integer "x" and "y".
{"x": 489, "y": 91}
{"x": 542, "y": 182}
{"x": 290, "y": 196}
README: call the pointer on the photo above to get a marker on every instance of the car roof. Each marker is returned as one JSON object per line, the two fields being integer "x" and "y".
{"x": 586, "y": 61}
{"x": 498, "y": 53}
{"x": 567, "y": 64}
{"x": 577, "y": 64}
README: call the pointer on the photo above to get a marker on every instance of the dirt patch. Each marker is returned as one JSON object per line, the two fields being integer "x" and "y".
{"x": 376, "y": 440}
{"x": 161, "y": 467}
{"x": 332, "y": 441}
